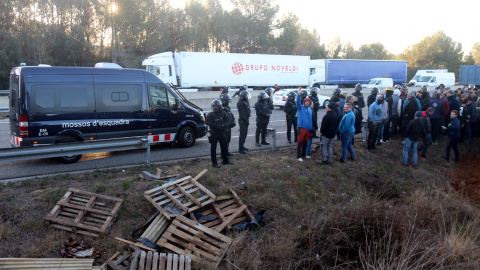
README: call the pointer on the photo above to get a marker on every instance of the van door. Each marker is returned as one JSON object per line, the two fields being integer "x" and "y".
{"x": 162, "y": 113}
{"x": 120, "y": 111}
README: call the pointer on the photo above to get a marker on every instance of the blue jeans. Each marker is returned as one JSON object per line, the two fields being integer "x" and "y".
{"x": 468, "y": 127}
{"x": 380, "y": 132}
{"x": 309, "y": 146}
{"x": 409, "y": 143}
{"x": 347, "y": 139}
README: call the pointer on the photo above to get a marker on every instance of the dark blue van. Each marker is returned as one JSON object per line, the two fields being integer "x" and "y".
{"x": 50, "y": 105}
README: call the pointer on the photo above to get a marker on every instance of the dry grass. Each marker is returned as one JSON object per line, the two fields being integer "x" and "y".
{"x": 367, "y": 214}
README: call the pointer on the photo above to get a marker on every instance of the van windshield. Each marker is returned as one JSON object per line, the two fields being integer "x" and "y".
{"x": 372, "y": 82}
{"x": 415, "y": 77}
{"x": 424, "y": 78}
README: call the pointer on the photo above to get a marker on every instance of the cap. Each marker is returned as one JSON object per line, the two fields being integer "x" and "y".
{"x": 418, "y": 114}
{"x": 389, "y": 89}
{"x": 307, "y": 99}
{"x": 450, "y": 92}
{"x": 331, "y": 105}
{"x": 411, "y": 93}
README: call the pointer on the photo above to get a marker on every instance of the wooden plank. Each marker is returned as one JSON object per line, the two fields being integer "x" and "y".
{"x": 188, "y": 263}
{"x": 149, "y": 260}
{"x": 155, "y": 261}
{"x": 200, "y": 174}
{"x": 174, "y": 200}
{"x": 163, "y": 261}
{"x": 100, "y": 196}
{"x": 148, "y": 192}
{"x": 175, "y": 262}
{"x": 224, "y": 197}
{"x": 230, "y": 218}
{"x": 189, "y": 196}
{"x": 181, "y": 264}
{"x": 114, "y": 266}
{"x": 135, "y": 244}
{"x": 169, "y": 261}
{"x": 135, "y": 257}
{"x": 240, "y": 202}
{"x": 141, "y": 262}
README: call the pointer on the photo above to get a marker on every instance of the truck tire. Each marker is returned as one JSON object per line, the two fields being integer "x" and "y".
{"x": 326, "y": 102}
{"x": 68, "y": 159}
{"x": 186, "y": 137}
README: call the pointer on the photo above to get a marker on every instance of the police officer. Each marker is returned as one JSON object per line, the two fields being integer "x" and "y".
{"x": 218, "y": 122}
{"x": 243, "y": 106}
{"x": 290, "y": 110}
{"x": 224, "y": 91}
{"x": 226, "y": 107}
{"x": 372, "y": 97}
{"x": 359, "y": 95}
{"x": 263, "y": 112}
{"x": 316, "y": 107}
{"x": 269, "y": 92}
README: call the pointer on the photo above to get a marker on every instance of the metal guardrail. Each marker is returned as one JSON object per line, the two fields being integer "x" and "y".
{"x": 4, "y": 109}
{"x": 3, "y": 91}
{"x": 77, "y": 148}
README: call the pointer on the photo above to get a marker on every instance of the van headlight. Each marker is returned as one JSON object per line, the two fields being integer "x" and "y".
{"x": 202, "y": 117}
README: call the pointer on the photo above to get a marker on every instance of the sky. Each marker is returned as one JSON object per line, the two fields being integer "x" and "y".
{"x": 395, "y": 24}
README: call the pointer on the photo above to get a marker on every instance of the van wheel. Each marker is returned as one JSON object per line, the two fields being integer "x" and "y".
{"x": 325, "y": 103}
{"x": 186, "y": 137}
{"x": 68, "y": 159}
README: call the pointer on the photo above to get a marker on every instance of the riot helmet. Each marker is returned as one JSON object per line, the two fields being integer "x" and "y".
{"x": 244, "y": 95}
{"x": 404, "y": 88}
{"x": 269, "y": 91}
{"x": 374, "y": 91}
{"x": 291, "y": 96}
{"x": 226, "y": 99}
{"x": 471, "y": 86}
{"x": 337, "y": 92}
{"x": 216, "y": 105}
{"x": 397, "y": 86}
{"x": 262, "y": 96}
{"x": 424, "y": 88}
{"x": 441, "y": 86}
{"x": 314, "y": 91}
{"x": 358, "y": 87}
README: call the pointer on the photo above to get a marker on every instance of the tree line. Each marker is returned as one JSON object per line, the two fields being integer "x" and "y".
{"x": 82, "y": 33}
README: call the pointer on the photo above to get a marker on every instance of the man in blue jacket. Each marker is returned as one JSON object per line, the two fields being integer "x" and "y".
{"x": 453, "y": 135}
{"x": 347, "y": 131}
{"x": 304, "y": 124}
{"x": 374, "y": 121}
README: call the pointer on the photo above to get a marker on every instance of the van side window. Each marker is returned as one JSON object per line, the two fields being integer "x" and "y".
{"x": 158, "y": 96}
{"x": 113, "y": 98}
{"x": 171, "y": 100}
{"x": 61, "y": 98}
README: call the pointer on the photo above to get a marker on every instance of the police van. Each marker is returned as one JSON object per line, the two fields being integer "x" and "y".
{"x": 50, "y": 105}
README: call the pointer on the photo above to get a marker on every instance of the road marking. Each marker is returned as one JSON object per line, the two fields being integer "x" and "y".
{"x": 249, "y": 135}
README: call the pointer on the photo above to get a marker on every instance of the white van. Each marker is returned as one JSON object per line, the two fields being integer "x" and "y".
{"x": 434, "y": 79}
{"x": 421, "y": 72}
{"x": 378, "y": 82}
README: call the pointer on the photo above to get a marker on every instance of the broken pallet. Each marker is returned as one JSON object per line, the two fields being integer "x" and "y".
{"x": 84, "y": 212}
{"x": 225, "y": 211}
{"x": 180, "y": 197}
{"x": 189, "y": 238}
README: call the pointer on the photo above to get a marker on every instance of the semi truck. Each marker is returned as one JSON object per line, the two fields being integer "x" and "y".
{"x": 348, "y": 72}
{"x": 211, "y": 71}
{"x": 470, "y": 75}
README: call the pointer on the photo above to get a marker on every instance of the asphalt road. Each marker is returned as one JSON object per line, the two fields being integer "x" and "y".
{"x": 159, "y": 153}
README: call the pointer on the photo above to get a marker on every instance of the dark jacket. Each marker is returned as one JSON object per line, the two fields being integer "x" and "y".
{"x": 454, "y": 128}
{"x": 290, "y": 109}
{"x": 243, "y": 107}
{"x": 371, "y": 99}
{"x": 425, "y": 101}
{"x": 358, "y": 118}
{"x": 231, "y": 117}
{"x": 439, "y": 107}
{"x": 218, "y": 121}
{"x": 328, "y": 127}
{"x": 453, "y": 103}
{"x": 410, "y": 109}
{"x": 316, "y": 103}
{"x": 416, "y": 129}
{"x": 361, "y": 101}
{"x": 262, "y": 110}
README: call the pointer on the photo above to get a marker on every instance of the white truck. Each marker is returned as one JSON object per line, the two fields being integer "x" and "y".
{"x": 206, "y": 71}
{"x": 420, "y": 72}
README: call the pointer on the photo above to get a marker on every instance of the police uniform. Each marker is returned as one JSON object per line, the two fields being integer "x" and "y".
{"x": 263, "y": 111}
{"x": 316, "y": 107}
{"x": 290, "y": 110}
{"x": 243, "y": 106}
{"x": 218, "y": 122}
{"x": 231, "y": 117}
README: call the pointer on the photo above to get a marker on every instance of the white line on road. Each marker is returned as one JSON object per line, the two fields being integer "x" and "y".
{"x": 249, "y": 135}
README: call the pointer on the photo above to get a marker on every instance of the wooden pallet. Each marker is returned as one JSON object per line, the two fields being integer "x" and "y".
{"x": 189, "y": 238}
{"x": 46, "y": 263}
{"x": 148, "y": 260}
{"x": 180, "y": 197}
{"x": 84, "y": 212}
{"x": 156, "y": 228}
{"x": 225, "y": 211}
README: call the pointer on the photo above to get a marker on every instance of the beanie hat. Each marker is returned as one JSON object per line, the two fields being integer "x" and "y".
{"x": 450, "y": 92}
{"x": 335, "y": 99}
{"x": 411, "y": 93}
{"x": 418, "y": 114}
{"x": 306, "y": 99}
{"x": 332, "y": 105}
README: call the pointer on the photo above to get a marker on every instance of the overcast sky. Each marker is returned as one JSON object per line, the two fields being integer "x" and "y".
{"x": 396, "y": 24}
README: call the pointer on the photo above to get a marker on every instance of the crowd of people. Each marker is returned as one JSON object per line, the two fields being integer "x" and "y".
{"x": 397, "y": 113}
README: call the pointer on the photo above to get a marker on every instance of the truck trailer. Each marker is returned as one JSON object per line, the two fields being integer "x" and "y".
{"x": 206, "y": 71}
{"x": 348, "y": 72}
{"x": 470, "y": 75}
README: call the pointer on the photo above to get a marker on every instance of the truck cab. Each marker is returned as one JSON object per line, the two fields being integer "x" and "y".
{"x": 162, "y": 65}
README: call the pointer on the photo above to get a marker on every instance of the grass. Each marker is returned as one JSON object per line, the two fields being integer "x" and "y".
{"x": 367, "y": 214}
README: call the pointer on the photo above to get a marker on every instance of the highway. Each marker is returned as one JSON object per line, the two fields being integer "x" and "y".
{"x": 159, "y": 153}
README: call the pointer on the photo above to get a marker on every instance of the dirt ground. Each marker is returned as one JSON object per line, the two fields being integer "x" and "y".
{"x": 292, "y": 193}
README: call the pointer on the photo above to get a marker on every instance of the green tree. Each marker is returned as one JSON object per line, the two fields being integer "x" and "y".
{"x": 375, "y": 51}
{"x": 475, "y": 52}
{"x": 433, "y": 52}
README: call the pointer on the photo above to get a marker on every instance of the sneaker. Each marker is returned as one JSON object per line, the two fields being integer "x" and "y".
{"x": 352, "y": 159}
{"x": 265, "y": 143}
{"x": 308, "y": 157}
{"x": 242, "y": 152}
{"x": 424, "y": 158}
{"x": 403, "y": 164}
{"x": 258, "y": 145}
{"x": 434, "y": 143}
{"x": 382, "y": 141}
{"x": 300, "y": 159}
{"x": 289, "y": 141}
{"x": 387, "y": 141}
{"x": 414, "y": 165}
